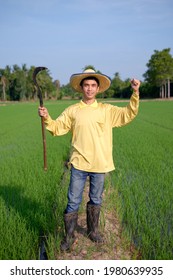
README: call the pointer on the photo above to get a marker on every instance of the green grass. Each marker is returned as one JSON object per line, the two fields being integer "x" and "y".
{"x": 29, "y": 196}
{"x": 32, "y": 201}
{"x": 144, "y": 179}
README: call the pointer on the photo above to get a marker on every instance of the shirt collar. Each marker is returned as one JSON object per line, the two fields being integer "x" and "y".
{"x": 83, "y": 104}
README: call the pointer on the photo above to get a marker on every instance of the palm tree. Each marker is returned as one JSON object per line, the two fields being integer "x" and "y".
{"x": 4, "y": 80}
{"x": 4, "y": 84}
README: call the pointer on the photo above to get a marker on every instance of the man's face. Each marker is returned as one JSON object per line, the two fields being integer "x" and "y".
{"x": 90, "y": 89}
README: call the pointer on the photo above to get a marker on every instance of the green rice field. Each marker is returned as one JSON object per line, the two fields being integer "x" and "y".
{"x": 32, "y": 201}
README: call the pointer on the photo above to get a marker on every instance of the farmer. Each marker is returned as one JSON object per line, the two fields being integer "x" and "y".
{"x": 91, "y": 126}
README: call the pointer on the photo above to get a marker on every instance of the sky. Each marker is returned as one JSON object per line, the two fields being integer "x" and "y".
{"x": 66, "y": 35}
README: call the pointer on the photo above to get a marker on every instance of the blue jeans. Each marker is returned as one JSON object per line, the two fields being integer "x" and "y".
{"x": 76, "y": 188}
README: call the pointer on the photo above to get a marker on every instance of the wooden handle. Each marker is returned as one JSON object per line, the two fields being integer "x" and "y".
{"x": 44, "y": 144}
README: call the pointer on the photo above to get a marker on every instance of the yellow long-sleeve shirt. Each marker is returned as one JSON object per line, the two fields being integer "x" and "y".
{"x": 91, "y": 128}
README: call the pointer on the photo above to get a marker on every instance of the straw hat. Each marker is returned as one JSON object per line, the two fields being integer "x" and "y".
{"x": 104, "y": 81}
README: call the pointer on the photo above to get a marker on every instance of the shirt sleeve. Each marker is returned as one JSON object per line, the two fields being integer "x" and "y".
{"x": 60, "y": 126}
{"x": 121, "y": 116}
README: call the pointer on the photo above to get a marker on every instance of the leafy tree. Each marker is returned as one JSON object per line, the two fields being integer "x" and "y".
{"x": 46, "y": 85}
{"x": 16, "y": 83}
{"x": 57, "y": 86}
{"x": 18, "y": 88}
{"x": 68, "y": 91}
{"x": 160, "y": 69}
{"x": 89, "y": 67}
{"x": 31, "y": 90}
{"x": 116, "y": 86}
{"x": 148, "y": 90}
{"x": 5, "y": 81}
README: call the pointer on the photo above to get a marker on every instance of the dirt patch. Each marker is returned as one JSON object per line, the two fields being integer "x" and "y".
{"x": 115, "y": 246}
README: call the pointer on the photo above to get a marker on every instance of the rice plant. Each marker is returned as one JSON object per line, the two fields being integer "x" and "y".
{"x": 144, "y": 179}
{"x": 32, "y": 201}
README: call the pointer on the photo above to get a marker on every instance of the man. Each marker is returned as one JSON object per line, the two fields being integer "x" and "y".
{"x": 91, "y": 126}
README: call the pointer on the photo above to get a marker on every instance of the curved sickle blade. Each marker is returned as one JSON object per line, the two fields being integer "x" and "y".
{"x": 36, "y": 71}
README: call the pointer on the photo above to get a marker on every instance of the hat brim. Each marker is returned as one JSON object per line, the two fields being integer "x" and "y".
{"x": 104, "y": 81}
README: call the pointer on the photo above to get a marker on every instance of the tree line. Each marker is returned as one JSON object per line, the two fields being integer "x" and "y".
{"x": 16, "y": 83}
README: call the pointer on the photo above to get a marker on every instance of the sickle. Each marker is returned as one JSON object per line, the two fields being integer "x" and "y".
{"x": 36, "y": 71}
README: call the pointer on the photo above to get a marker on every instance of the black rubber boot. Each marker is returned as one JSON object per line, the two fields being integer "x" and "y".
{"x": 93, "y": 213}
{"x": 70, "y": 221}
